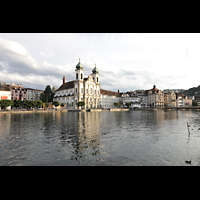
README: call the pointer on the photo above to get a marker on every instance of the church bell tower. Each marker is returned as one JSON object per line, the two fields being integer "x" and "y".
{"x": 79, "y": 71}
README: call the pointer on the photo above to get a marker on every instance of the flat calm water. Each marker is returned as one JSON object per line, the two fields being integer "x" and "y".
{"x": 140, "y": 137}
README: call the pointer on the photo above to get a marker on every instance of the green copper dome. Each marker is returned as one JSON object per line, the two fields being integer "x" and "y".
{"x": 79, "y": 65}
{"x": 95, "y": 70}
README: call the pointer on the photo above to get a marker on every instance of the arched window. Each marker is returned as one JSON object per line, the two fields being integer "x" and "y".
{"x": 76, "y": 76}
{"x": 97, "y": 79}
{"x": 81, "y": 76}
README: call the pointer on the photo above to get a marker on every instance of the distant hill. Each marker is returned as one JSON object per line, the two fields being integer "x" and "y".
{"x": 192, "y": 91}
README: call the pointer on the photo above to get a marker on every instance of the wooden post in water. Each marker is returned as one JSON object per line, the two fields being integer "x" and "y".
{"x": 188, "y": 129}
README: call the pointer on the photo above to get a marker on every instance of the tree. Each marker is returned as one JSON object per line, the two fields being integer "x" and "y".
{"x": 6, "y": 103}
{"x": 62, "y": 105}
{"x": 17, "y": 103}
{"x": 128, "y": 104}
{"x": 48, "y": 95}
{"x": 29, "y": 103}
{"x": 56, "y": 103}
{"x": 81, "y": 103}
{"x": 194, "y": 103}
{"x": 53, "y": 89}
{"x": 116, "y": 104}
{"x": 38, "y": 103}
{"x": 47, "y": 105}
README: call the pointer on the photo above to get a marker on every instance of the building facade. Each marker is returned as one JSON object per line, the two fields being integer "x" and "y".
{"x": 155, "y": 98}
{"x": 170, "y": 99}
{"x": 183, "y": 101}
{"x": 80, "y": 90}
{"x": 5, "y": 94}
{"x": 108, "y": 98}
{"x": 18, "y": 93}
{"x": 131, "y": 97}
{"x": 33, "y": 94}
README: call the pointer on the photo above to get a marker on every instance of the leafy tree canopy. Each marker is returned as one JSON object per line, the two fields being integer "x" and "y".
{"x": 17, "y": 103}
{"x": 29, "y": 103}
{"x": 81, "y": 103}
{"x": 6, "y": 103}
{"x": 48, "y": 90}
{"x": 56, "y": 103}
{"x": 128, "y": 104}
{"x": 38, "y": 103}
{"x": 48, "y": 95}
{"x": 194, "y": 103}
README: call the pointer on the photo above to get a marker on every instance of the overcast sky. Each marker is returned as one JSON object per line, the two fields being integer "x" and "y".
{"x": 126, "y": 61}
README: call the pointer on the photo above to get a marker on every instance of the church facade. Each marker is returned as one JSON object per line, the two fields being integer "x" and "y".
{"x": 80, "y": 90}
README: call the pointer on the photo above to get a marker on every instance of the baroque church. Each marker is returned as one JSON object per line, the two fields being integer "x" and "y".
{"x": 79, "y": 90}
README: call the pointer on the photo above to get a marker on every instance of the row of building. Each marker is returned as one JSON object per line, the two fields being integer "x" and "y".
{"x": 12, "y": 91}
{"x": 88, "y": 90}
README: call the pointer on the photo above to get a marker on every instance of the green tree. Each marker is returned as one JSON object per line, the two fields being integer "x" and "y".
{"x": 47, "y": 105}
{"x": 29, "y": 103}
{"x": 6, "y": 103}
{"x": 38, "y": 103}
{"x": 116, "y": 104}
{"x": 81, "y": 103}
{"x": 128, "y": 104}
{"x": 194, "y": 103}
{"x": 17, "y": 103}
{"x": 48, "y": 95}
{"x": 53, "y": 89}
{"x": 56, "y": 103}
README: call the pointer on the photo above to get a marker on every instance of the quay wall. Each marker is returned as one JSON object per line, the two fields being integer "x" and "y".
{"x": 98, "y": 110}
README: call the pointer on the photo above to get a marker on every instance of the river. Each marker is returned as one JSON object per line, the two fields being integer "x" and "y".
{"x": 140, "y": 137}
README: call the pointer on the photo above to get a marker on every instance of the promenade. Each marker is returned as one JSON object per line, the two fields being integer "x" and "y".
{"x": 95, "y": 110}
{"x": 60, "y": 110}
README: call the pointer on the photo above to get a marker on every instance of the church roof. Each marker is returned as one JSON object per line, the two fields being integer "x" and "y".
{"x": 79, "y": 65}
{"x": 107, "y": 92}
{"x": 66, "y": 85}
{"x": 95, "y": 70}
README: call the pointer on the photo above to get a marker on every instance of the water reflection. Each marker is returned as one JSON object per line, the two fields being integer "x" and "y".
{"x": 87, "y": 135}
{"x": 100, "y": 138}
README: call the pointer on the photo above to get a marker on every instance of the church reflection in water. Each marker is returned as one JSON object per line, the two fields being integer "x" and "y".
{"x": 80, "y": 130}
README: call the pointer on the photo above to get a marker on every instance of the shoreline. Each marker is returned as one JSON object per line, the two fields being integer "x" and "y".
{"x": 60, "y": 110}
{"x": 97, "y": 110}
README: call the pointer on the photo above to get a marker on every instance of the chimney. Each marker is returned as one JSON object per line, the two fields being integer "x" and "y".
{"x": 63, "y": 79}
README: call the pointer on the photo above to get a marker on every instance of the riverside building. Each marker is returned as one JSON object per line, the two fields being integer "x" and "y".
{"x": 80, "y": 90}
{"x": 108, "y": 98}
{"x": 155, "y": 98}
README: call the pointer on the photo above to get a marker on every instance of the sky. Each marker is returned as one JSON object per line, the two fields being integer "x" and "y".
{"x": 126, "y": 61}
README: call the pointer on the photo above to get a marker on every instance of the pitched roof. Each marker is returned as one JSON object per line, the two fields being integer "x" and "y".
{"x": 5, "y": 88}
{"x": 66, "y": 85}
{"x": 107, "y": 92}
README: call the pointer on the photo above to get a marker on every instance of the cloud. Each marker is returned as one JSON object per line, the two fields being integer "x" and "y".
{"x": 18, "y": 66}
{"x": 48, "y": 54}
{"x": 14, "y": 57}
{"x": 125, "y": 61}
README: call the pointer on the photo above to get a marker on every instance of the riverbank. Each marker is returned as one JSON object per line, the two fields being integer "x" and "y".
{"x": 96, "y": 110}
{"x": 60, "y": 110}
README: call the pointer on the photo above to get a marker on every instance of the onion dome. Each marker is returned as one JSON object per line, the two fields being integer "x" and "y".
{"x": 95, "y": 70}
{"x": 79, "y": 65}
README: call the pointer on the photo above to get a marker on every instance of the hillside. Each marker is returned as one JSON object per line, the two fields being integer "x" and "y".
{"x": 192, "y": 91}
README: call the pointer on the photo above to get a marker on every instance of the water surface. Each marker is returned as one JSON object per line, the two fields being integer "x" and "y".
{"x": 139, "y": 137}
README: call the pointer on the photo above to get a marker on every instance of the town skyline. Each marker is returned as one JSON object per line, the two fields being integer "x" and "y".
{"x": 125, "y": 61}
